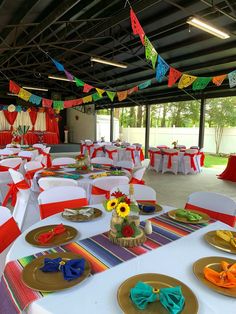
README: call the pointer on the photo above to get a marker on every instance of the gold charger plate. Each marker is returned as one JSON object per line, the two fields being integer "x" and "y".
{"x": 205, "y": 217}
{"x": 214, "y": 263}
{"x": 158, "y": 209}
{"x": 36, "y": 279}
{"x": 212, "y": 238}
{"x": 32, "y": 236}
{"x": 80, "y": 218}
{"x": 156, "y": 281}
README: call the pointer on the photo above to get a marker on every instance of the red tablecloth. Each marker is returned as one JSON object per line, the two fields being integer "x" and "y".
{"x": 230, "y": 172}
{"x": 30, "y": 138}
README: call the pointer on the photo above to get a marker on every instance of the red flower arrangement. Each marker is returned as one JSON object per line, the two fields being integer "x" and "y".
{"x": 127, "y": 231}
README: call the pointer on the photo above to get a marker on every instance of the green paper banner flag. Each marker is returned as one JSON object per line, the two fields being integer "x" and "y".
{"x": 58, "y": 104}
{"x": 78, "y": 82}
{"x": 96, "y": 96}
{"x": 111, "y": 95}
{"x": 201, "y": 83}
{"x": 150, "y": 52}
{"x": 145, "y": 84}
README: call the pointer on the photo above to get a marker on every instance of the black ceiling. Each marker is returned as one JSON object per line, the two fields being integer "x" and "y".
{"x": 72, "y": 31}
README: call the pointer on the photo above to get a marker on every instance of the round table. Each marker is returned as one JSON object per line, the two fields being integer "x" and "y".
{"x": 230, "y": 171}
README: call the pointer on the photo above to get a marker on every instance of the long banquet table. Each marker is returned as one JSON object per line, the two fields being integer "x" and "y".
{"x": 98, "y": 293}
{"x": 31, "y": 138}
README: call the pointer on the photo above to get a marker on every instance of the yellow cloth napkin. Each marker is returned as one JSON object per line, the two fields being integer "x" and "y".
{"x": 227, "y": 236}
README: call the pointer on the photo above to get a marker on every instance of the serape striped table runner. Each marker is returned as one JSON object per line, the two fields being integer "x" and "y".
{"x": 98, "y": 250}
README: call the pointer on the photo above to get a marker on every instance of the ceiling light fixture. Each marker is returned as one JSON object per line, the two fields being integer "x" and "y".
{"x": 59, "y": 78}
{"x": 35, "y": 88}
{"x": 11, "y": 94}
{"x": 207, "y": 27}
{"x": 109, "y": 62}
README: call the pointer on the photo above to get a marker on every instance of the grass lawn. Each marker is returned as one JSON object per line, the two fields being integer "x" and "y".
{"x": 212, "y": 161}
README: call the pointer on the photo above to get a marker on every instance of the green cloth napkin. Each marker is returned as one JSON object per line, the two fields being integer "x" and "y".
{"x": 71, "y": 176}
{"x": 171, "y": 298}
{"x": 188, "y": 215}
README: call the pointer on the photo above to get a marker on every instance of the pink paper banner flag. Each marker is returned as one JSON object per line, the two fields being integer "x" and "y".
{"x": 13, "y": 87}
{"x": 87, "y": 88}
{"x": 132, "y": 90}
{"x": 136, "y": 27}
{"x": 69, "y": 75}
{"x": 47, "y": 102}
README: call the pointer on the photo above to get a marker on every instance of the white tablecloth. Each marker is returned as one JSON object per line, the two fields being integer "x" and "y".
{"x": 98, "y": 293}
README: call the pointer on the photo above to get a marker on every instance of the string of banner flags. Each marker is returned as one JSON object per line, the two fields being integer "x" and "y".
{"x": 161, "y": 67}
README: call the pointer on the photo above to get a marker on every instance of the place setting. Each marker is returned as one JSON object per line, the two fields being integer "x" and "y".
{"x": 82, "y": 214}
{"x": 188, "y": 216}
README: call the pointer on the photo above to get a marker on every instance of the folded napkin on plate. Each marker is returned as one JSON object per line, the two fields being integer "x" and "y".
{"x": 71, "y": 176}
{"x": 71, "y": 269}
{"x": 226, "y": 278}
{"x": 227, "y": 236}
{"x": 45, "y": 237}
{"x": 189, "y": 215}
{"x": 85, "y": 212}
{"x": 99, "y": 175}
{"x": 171, "y": 298}
{"x": 115, "y": 168}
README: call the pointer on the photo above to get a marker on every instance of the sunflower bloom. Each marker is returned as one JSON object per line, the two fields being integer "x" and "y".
{"x": 123, "y": 210}
{"x": 111, "y": 204}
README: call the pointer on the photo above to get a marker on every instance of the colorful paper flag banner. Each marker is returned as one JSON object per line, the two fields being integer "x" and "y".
{"x": 186, "y": 80}
{"x": 201, "y": 83}
{"x": 150, "y": 52}
{"x": 162, "y": 69}
{"x": 136, "y": 27}
{"x": 174, "y": 75}
{"x": 218, "y": 80}
{"x": 232, "y": 78}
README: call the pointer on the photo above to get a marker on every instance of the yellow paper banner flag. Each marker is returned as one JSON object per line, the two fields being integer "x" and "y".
{"x": 186, "y": 80}
{"x": 87, "y": 99}
{"x": 100, "y": 91}
{"x": 24, "y": 94}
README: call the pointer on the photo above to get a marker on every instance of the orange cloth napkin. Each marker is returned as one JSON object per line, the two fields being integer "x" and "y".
{"x": 45, "y": 237}
{"x": 226, "y": 278}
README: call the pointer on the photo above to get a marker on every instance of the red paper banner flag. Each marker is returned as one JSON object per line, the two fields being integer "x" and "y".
{"x": 174, "y": 75}
{"x": 87, "y": 88}
{"x": 122, "y": 95}
{"x": 136, "y": 27}
{"x": 14, "y": 88}
{"x": 47, "y": 102}
{"x": 132, "y": 90}
{"x": 218, "y": 80}
{"x": 68, "y": 103}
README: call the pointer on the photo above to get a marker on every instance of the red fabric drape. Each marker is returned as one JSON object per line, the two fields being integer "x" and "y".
{"x": 11, "y": 117}
{"x": 33, "y": 116}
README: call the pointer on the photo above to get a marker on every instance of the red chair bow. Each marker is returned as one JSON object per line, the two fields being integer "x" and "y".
{"x": 170, "y": 155}
{"x": 98, "y": 149}
{"x": 202, "y": 158}
{"x": 12, "y": 192}
{"x": 152, "y": 156}
{"x": 141, "y": 155}
{"x": 82, "y": 148}
{"x": 48, "y": 159}
{"x": 110, "y": 153}
{"x": 192, "y": 161}
{"x": 136, "y": 181}
{"x": 30, "y": 173}
{"x": 89, "y": 148}
{"x": 98, "y": 191}
{"x": 131, "y": 150}
{"x": 6, "y": 168}
{"x": 45, "y": 237}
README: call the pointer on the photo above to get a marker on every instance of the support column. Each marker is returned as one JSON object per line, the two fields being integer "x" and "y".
{"x": 111, "y": 124}
{"x": 202, "y": 123}
{"x": 147, "y": 130}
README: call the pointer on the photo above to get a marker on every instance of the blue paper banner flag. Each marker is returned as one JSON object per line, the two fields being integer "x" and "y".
{"x": 58, "y": 65}
{"x": 34, "y": 99}
{"x": 162, "y": 69}
{"x": 145, "y": 84}
{"x": 232, "y": 79}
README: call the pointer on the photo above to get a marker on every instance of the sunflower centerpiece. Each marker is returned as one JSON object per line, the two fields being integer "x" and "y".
{"x": 125, "y": 224}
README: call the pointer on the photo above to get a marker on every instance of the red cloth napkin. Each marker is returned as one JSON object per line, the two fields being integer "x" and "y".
{"x": 45, "y": 237}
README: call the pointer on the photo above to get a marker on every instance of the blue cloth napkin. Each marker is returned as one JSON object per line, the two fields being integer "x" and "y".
{"x": 71, "y": 269}
{"x": 171, "y": 298}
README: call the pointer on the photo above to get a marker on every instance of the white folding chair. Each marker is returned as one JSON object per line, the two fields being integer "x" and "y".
{"x": 6, "y": 152}
{"x": 101, "y": 187}
{"x": 62, "y": 161}
{"x": 97, "y": 151}
{"x": 47, "y": 157}
{"x": 39, "y": 145}
{"x": 29, "y": 155}
{"x": 111, "y": 152}
{"x": 102, "y": 161}
{"x": 156, "y": 159}
{"x": 170, "y": 161}
{"x": 9, "y": 230}
{"x": 190, "y": 161}
{"x": 137, "y": 176}
{"x": 130, "y": 153}
{"x": 125, "y": 164}
{"x": 55, "y": 200}
{"x": 216, "y": 205}
{"x": 51, "y": 182}
{"x": 142, "y": 193}
{"x": 145, "y": 163}
{"x": 22, "y": 197}
{"x": 31, "y": 167}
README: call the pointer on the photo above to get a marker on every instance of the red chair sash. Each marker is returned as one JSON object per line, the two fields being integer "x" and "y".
{"x": 226, "y": 218}
{"x": 12, "y": 192}
{"x": 98, "y": 191}
{"x": 131, "y": 150}
{"x": 6, "y": 168}
{"x": 30, "y": 173}
{"x": 202, "y": 158}
{"x": 48, "y": 159}
{"x": 170, "y": 155}
{"x": 98, "y": 149}
{"x": 136, "y": 181}
{"x": 89, "y": 149}
{"x": 82, "y": 147}
{"x": 192, "y": 162}
{"x": 110, "y": 153}
{"x": 147, "y": 201}
{"x": 50, "y": 209}
{"x": 141, "y": 155}
{"x": 9, "y": 231}
{"x": 152, "y": 156}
